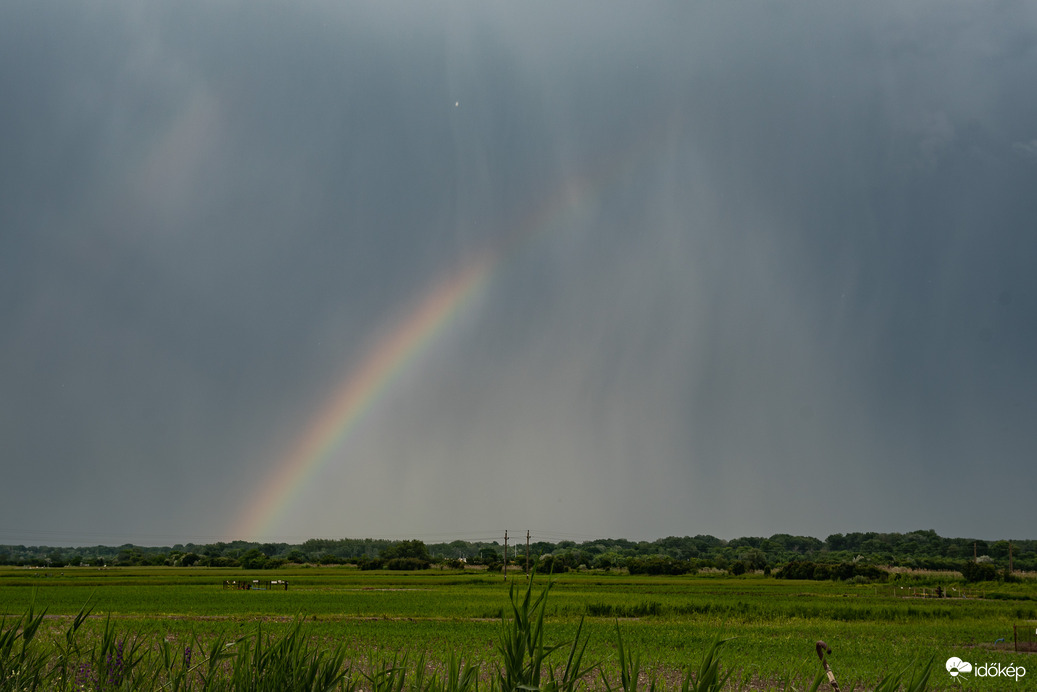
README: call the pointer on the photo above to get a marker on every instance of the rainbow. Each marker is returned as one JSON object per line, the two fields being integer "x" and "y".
{"x": 358, "y": 393}
{"x": 403, "y": 345}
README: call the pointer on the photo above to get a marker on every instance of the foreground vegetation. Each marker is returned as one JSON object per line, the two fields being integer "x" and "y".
{"x": 441, "y": 629}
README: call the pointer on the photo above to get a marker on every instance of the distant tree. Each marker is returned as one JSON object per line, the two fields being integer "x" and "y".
{"x": 999, "y": 550}
{"x": 253, "y": 559}
{"x": 488, "y": 555}
{"x": 753, "y": 558}
{"x": 546, "y": 564}
{"x": 541, "y": 547}
{"x": 129, "y": 556}
{"x": 416, "y": 550}
{"x": 272, "y": 549}
{"x": 460, "y": 549}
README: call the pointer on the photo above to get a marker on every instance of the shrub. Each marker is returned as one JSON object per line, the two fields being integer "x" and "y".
{"x": 659, "y": 564}
{"x": 406, "y": 563}
{"x": 978, "y": 571}
{"x": 804, "y": 569}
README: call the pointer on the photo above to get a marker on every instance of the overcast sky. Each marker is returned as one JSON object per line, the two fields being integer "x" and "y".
{"x": 753, "y": 268}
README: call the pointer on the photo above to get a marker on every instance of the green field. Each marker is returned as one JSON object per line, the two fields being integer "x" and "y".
{"x": 669, "y": 621}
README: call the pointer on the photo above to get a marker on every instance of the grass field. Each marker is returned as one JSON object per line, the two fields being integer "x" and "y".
{"x": 669, "y": 621}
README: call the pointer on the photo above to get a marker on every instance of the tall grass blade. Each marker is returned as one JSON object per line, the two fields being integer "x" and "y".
{"x": 629, "y": 667}
{"x": 521, "y": 643}
{"x": 573, "y": 674}
{"x": 708, "y": 677}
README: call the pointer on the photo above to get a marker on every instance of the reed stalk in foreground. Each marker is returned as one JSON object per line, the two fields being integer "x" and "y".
{"x": 523, "y": 651}
{"x": 918, "y": 682}
{"x": 23, "y": 664}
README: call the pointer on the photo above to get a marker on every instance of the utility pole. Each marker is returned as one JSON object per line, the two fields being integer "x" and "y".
{"x": 505, "y": 570}
{"x": 527, "y": 552}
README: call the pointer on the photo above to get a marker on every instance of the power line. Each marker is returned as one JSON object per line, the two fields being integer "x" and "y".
{"x": 567, "y": 534}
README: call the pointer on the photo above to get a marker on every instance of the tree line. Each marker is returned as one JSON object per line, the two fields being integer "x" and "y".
{"x": 671, "y": 555}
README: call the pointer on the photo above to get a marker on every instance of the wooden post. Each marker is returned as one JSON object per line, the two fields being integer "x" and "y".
{"x": 822, "y": 649}
{"x": 505, "y": 569}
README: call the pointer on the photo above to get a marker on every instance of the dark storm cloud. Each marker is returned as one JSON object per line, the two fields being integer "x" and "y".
{"x": 799, "y": 283}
